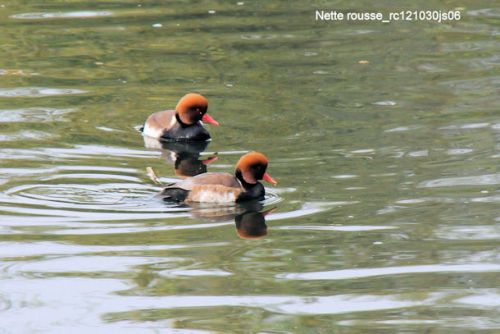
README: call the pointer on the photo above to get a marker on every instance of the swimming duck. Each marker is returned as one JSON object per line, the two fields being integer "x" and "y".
{"x": 221, "y": 188}
{"x": 183, "y": 123}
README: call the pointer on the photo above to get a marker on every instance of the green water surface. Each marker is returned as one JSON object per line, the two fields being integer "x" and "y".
{"x": 384, "y": 138}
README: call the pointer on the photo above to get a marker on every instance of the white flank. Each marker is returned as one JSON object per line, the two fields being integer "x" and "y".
{"x": 152, "y": 131}
{"x": 208, "y": 196}
{"x": 172, "y": 122}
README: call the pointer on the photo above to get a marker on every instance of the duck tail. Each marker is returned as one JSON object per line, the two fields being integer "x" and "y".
{"x": 174, "y": 194}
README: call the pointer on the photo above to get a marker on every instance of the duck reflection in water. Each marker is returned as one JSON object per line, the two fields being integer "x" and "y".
{"x": 249, "y": 217}
{"x": 252, "y": 224}
{"x": 184, "y": 156}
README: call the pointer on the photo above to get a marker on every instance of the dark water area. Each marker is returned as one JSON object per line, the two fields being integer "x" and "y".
{"x": 384, "y": 138}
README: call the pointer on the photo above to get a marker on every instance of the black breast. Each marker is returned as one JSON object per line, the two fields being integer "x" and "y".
{"x": 180, "y": 132}
{"x": 252, "y": 192}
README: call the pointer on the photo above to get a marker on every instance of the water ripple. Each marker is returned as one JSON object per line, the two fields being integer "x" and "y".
{"x": 479, "y": 180}
{"x": 38, "y": 91}
{"x": 310, "y": 208}
{"x": 81, "y": 264}
{"x": 21, "y": 292}
{"x": 46, "y": 248}
{"x": 73, "y": 196}
{"x": 337, "y": 304}
{"x": 486, "y": 299}
{"x": 389, "y": 271}
{"x": 485, "y": 12}
{"x": 61, "y": 15}
{"x": 76, "y": 152}
{"x": 194, "y": 273}
{"x": 469, "y": 232}
{"x": 26, "y": 135}
{"x": 346, "y": 228}
{"x": 31, "y": 115}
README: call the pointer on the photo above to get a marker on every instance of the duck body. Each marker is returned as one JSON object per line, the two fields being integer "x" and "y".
{"x": 223, "y": 188}
{"x": 166, "y": 125}
{"x": 184, "y": 124}
{"x": 218, "y": 188}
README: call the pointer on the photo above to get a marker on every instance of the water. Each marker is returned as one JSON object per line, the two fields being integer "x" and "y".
{"x": 385, "y": 140}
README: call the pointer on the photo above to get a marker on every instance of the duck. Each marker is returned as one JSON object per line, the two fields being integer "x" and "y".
{"x": 183, "y": 124}
{"x": 224, "y": 188}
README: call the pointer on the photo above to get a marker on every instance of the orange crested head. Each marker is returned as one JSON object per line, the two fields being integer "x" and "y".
{"x": 192, "y": 108}
{"x": 252, "y": 167}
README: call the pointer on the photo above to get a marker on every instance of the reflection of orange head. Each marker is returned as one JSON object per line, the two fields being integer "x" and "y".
{"x": 182, "y": 174}
{"x": 251, "y": 225}
{"x": 251, "y": 236}
{"x": 188, "y": 165}
{"x": 192, "y": 108}
{"x": 253, "y": 167}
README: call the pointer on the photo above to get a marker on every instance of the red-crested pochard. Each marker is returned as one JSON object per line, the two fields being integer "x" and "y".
{"x": 242, "y": 186}
{"x": 183, "y": 123}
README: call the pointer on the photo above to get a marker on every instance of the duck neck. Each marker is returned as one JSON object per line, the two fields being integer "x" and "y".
{"x": 245, "y": 184}
{"x": 253, "y": 191}
{"x": 179, "y": 120}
